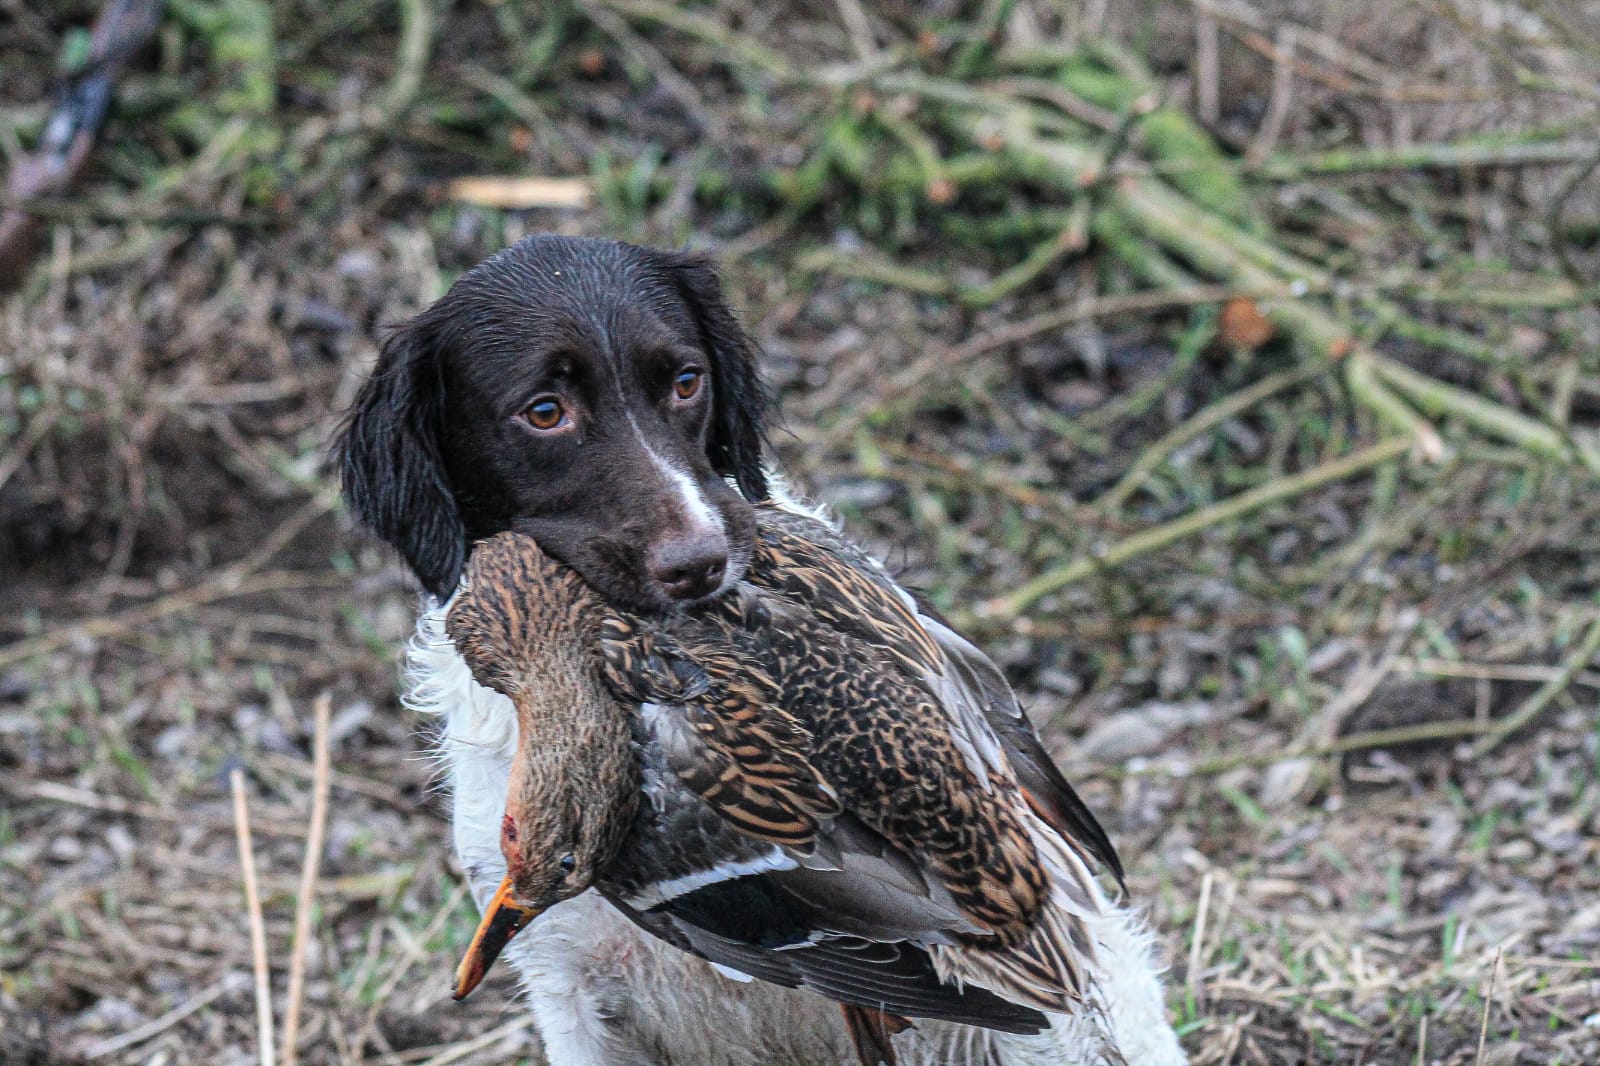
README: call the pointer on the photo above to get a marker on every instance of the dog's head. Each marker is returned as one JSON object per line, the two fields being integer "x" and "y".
{"x": 592, "y": 394}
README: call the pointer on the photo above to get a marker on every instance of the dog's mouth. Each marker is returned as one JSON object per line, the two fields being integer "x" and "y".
{"x": 733, "y": 572}
{"x": 616, "y": 569}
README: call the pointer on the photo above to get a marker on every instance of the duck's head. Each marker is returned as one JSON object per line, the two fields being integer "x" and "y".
{"x": 527, "y": 627}
{"x": 558, "y": 834}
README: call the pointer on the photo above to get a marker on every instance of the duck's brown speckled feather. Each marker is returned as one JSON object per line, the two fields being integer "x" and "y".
{"x": 880, "y": 612}
{"x": 873, "y": 735}
{"x": 741, "y": 752}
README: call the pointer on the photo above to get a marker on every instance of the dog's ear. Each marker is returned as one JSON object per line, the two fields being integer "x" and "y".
{"x": 393, "y": 476}
{"x": 740, "y": 400}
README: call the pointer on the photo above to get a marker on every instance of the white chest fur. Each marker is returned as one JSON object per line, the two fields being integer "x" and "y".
{"x": 606, "y": 994}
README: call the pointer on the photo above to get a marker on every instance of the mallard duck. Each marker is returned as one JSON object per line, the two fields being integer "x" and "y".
{"x": 811, "y": 781}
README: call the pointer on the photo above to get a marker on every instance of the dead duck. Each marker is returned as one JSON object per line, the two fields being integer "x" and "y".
{"x": 811, "y": 781}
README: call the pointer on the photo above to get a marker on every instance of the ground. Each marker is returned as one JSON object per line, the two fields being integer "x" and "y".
{"x": 1242, "y": 405}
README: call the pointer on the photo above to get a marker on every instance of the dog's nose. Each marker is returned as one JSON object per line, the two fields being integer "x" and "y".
{"x": 691, "y": 567}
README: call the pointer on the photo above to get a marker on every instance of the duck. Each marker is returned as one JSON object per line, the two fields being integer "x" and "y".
{"x": 811, "y": 781}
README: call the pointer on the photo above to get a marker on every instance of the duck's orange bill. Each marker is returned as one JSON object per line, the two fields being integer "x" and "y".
{"x": 502, "y": 919}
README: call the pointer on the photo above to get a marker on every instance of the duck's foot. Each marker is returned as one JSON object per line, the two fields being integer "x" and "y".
{"x": 871, "y": 1032}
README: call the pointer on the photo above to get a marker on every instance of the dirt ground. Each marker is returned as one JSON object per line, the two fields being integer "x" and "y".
{"x": 1268, "y": 596}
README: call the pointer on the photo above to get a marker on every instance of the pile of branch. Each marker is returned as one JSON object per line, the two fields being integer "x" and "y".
{"x": 1081, "y": 136}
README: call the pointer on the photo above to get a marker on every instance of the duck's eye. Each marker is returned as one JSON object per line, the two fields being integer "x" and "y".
{"x": 568, "y": 863}
{"x": 686, "y": 384}
{"x": 545, "y": 413}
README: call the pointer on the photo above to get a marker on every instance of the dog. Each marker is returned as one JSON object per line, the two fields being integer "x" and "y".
{"x": 595, "y": 395}
{"x": 602, "y": 398}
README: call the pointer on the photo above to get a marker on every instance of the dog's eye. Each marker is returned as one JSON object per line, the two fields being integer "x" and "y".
{"x": 568, "y": 863}
{"x": 686, "y": 384}
{"x": 546, "y": 413}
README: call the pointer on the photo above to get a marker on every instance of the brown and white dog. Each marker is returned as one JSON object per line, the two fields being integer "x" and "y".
{"x": 602, "y": 398}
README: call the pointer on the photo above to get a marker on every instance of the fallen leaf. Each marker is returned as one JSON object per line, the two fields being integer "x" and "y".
{"x": 1243, "y": 325}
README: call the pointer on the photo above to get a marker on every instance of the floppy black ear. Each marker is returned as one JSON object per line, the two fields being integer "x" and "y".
{"x": 393, "y": 477}
{"x": 738, "y": 419}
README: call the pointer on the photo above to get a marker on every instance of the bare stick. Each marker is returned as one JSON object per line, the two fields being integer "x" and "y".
{"x": 1488, "y": 999}
{"x": 321, "y": 775}
{"x": 416, "y": 41}
{"x": 1424, "y": 732}
{"x": 1197, "y": 989}
{"x": 1535, "y": 704}
{"x": 1157, "y": 537}
{"x": 1365, "y": 386}
{"x": 73, "y": 127}
{"x": 156, "y": 1026}
{"x": 932, "y": 366}
{"x": 1207, "y": 67}
{"x": 457, "y": 1052}
{"x": 258, "y": 930}
{"x": 1438, "y": 398}
{"x": 220, "y": 585}
{"x": 860, "y": 29}
{"x": 1278, "y": 102}
{"x": 1199, "y": 423}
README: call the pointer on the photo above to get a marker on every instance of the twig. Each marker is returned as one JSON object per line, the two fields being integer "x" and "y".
{"x": 1421, "y": 733}
{"x": 981, "y": 43}
{"x": 919, "y": 374}
{"x": 258, "y": 930}
{"x": 709, "y": 30}
{"x": 859, "y": 27}
{"x": 869, "y": 267}
{"x": 667, "y": 76}
{"x": 1197, "y": 989}
{"x": 1071, "y": 238}
{"x": 1488, "y": 1000}
{"x": 75, "y": 122}
{"x": 416, "y": 41}
{"x": 1197, "y": 424}
{"x": 218, "y": 587}
{"x": 1440, "y": 398}
{"x": 1554, "y": 223}
{"x": 324, "y": 500}
{"x": 1280, "y": 98}
{"x": 37, "y": 430}
{"x": 1207, "y": 67}
{"x": 1535, "y": 704}
{"x": 1365, "y": 387}
{"x": 411, "y": 952}
{"x": 1429, "y": 157}
{"x": 1491, "y": 671}
{"x": 321, "y": 775}
{"x": 1157, "y": 537}
{"x": 156, "y": 1026}
{"x": 457, "y": 1052}
{"x": 56, "y": 792}
{"x": 1058, "y": 96}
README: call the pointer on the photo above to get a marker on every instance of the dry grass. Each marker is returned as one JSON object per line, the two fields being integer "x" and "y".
{"x": 1268, "y": 571}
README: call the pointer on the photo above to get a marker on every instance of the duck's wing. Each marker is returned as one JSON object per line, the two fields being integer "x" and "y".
{"x": 851, "y": 921}
{"x": 896, "y": 978}
{"x": 804, "y": 560}
{"x": 723, "y": 732}
{"x": 1049, "y": 793}
{"x": 807, "y": 560}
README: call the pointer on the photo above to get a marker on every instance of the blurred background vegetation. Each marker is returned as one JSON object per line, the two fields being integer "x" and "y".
{"x": 1228, "y": 368}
